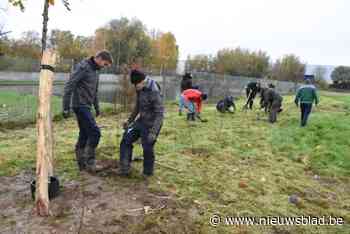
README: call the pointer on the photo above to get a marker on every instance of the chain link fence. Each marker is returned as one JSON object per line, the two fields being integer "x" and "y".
{"x": 19, "y": 83}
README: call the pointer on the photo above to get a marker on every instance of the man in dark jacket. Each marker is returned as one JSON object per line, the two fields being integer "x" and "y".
{"x": 273, "y": 101}
{"x": 263, "y": 99}
{"x": 306, "y": 96}
{"x": 252, "y": 89}
{"x": 150, "y": 112}
{"x": 226, "y": 105}
{"x": 186, "y": 82}
{"x": 83, "y": 86}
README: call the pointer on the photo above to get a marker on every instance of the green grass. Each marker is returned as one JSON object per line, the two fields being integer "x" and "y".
{"x": 205, "y": 162}
{"x": 21, "y": 109}
{"x": 16, "y": 107}
{"x": 25, "y": 82}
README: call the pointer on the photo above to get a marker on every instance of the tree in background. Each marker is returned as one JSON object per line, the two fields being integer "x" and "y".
{"x": 70, "y": 46}
{"x": 289, "y": 68}
{"x": 200, "y": 63}
{"x": 341, "y": 77}
{"x": 320, "y": 77}
{"x": 125, "y": 39}
{"x": 236, "y": 62}
{"x": 164, "y": 54}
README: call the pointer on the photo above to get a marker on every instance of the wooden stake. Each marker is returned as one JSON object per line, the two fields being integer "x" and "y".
{"x": 44, "y": 168}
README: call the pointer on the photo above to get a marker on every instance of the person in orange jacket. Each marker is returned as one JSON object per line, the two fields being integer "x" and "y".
{"x": 192, "y": 100}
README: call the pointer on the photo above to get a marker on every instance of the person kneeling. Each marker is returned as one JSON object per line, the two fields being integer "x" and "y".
{"x": 226, "y": 105}
{"x": 150, "y": 111}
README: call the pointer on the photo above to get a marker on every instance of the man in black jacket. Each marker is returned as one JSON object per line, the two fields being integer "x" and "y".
{"x": 83, "y": 86}
{"x": 252, "y": 89}
{"x": 150, "y": 112}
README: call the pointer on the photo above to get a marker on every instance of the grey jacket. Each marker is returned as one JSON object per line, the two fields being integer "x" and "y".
{"x": 272, "y": 97}
{"x": 83, "y": 85}
{"x": 149, "y": 107}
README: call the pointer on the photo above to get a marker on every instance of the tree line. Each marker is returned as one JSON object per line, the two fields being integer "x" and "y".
{"x": 127, "y": 39}
{"x": 243, "y": 62}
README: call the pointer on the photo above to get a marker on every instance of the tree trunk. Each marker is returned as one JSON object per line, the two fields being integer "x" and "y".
{"x": 44, "y": 168}
{"x": 45, "y": 21}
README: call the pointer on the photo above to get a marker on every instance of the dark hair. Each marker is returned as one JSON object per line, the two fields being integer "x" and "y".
{"x": 204, "y": 96}
{"x": 272, "y": 86}
{"x": 187, "y": 76}
{"x": 308, "y": 81}
{"x": 137, "y": 76}
{"x": 105, "y": 56}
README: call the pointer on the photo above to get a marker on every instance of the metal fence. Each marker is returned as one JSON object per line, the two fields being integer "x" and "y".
{"x": 18, "y": 89}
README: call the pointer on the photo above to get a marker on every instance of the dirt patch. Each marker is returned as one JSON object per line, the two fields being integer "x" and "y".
{"x": 201, "y": 152}
{"x": 94, "y": 204}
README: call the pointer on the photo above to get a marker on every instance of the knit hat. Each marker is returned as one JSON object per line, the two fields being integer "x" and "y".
{"x": 187, "y": 76}
{"x": 136, "y": 77}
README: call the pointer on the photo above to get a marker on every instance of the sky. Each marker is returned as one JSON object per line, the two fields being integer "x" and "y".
{"x": 315, "y": 30}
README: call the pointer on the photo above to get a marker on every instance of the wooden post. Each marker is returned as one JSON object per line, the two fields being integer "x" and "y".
{"x": 44, "y": 168}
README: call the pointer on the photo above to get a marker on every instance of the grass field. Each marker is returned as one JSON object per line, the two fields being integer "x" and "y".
{"x": 21, "y": 109}
{"x": 233, "y": 165}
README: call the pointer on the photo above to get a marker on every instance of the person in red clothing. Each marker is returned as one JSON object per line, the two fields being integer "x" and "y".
{"x": 192, "y": 100}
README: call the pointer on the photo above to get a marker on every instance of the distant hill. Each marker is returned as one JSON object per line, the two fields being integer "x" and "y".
{"x": 329, "y": 69}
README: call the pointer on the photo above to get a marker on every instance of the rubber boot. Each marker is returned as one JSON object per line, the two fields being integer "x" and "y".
{"x": 91, "y": 160}
{"x": 80, "y": 157}
{"x": 193, "y": 117}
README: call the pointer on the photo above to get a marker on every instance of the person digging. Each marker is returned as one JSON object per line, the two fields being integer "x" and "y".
{"x": 226, "y": 105}
{"x": 82, "y": 89}
{"x": 192, "y": 100}
{"x": 186, "y": 83}
{"x": 145, "y": 122}
{"x": 252, "y": 89}
{"x": 273, "y": 103}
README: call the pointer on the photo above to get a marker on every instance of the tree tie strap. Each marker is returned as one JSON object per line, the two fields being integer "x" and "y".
{"x": 47, "y": 67}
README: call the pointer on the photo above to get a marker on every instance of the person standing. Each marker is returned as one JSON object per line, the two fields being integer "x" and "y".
{"x": 82, "y": 89}
{"x": 306, "y": 96}
{"x": 145, "y": 122}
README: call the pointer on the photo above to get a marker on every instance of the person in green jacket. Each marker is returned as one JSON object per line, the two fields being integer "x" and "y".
{"x": 306, "y": 96}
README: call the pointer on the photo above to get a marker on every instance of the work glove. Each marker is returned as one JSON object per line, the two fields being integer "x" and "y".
{"x": 152, "y": 137}
{"x": 66, "y": 114}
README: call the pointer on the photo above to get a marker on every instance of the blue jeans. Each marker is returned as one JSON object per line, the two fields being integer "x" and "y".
{"x": 305, "y": 112}
{"x": 89, "y": 132}
{"x": 131, "y": 135}
{"x": 186, "y": 104}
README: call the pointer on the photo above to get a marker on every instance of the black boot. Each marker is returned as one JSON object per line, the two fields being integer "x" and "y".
{"x": 193, "y": 117}
{"x": 91, "y": 160}
{"x": 188, "y": 116}
{"x": 80, "y": 157}
{"x": 124, "y": 167}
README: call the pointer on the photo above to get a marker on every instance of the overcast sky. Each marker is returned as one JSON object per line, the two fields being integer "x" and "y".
{"x": 315, "y": 30}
